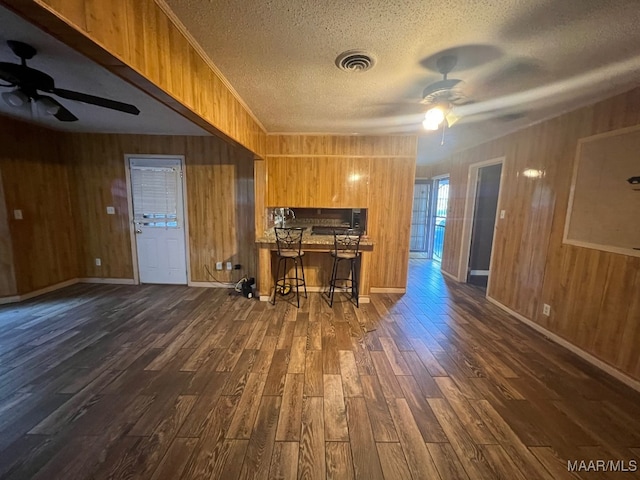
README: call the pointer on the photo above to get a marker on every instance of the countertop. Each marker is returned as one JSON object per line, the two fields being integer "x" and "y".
{"x": 308, "y": 239}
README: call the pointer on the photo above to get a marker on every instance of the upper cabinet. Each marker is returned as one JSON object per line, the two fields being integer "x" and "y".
{"x": 318, "y": 182}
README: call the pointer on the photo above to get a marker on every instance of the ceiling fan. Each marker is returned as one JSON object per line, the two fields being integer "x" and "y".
{"x": 27, "y": 83}
{"x": 442, "y": 96}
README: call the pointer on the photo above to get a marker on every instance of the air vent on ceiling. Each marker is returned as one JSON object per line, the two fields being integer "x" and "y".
{"x": 355, "y": 61}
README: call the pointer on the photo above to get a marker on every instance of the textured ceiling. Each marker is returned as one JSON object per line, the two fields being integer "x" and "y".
{"x": 521, "y": 61}
{"x": 72, "y": 71}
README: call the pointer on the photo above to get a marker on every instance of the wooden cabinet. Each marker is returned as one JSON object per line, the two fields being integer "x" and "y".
{"x": 320, "y": 182}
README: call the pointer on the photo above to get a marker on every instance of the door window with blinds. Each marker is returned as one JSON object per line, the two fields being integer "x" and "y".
{"x": 155, "y": 194}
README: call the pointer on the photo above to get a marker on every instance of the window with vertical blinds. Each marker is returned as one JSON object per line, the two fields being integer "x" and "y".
{"x": 155, "y": 196}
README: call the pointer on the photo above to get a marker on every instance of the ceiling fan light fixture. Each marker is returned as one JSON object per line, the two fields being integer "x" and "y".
{"x": 15, "y": 98}
{"x": 46, "y": 106}
{"x": 434, "y": 117}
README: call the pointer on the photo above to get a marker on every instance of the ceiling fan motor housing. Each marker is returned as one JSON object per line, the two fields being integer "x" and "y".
{"x": 443, "y": 90}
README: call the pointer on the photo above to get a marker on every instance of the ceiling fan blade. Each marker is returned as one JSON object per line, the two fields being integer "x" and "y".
{"x": 93, "y": 100}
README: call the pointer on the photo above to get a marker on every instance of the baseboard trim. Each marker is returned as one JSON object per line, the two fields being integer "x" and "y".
{"x": 11, "y": 299}
{"x": 110, "y": 281}
{"x": 210, "y": 285}
{"x": 449, "y": 276}
{"x": 595, "y": 361}
{"x": 387, "y": 290}
{"x": 36, "y": 293}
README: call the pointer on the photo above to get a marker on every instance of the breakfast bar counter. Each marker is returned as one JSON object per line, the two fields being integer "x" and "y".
{"x": 317, "y": 263}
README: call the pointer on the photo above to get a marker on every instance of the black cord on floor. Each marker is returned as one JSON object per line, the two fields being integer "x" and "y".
{"x": 232, "y": 284}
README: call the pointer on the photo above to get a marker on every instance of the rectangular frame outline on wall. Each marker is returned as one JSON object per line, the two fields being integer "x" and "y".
{"x": 576, "y": 164}
{"x": 185, "y": 198}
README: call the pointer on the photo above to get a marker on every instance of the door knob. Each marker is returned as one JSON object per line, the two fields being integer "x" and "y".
{"x": 138, "y": 230}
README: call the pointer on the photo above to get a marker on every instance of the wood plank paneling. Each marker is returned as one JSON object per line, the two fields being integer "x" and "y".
{"x": 143, "y": 43}
{"x": 341, "y": 145}
{"x": 373, "y": 172}
{"x": 7, "y": 272}
{"x": 593, "y": 294}
{"x": 219, "y": 201}
{"x": 35, "y": 180}
{"x": 322, "y": 182}
{"x": 389, "y": 220}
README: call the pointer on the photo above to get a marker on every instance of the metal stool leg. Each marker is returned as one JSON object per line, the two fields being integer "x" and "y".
{"x": 332, "y": 281}
{"x": 355, "y": 287}
{"x": 304, "y": 280}
{"x": 295, "y": 264}
{"x": 275, "y": 282}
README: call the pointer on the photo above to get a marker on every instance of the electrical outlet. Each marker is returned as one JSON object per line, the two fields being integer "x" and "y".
{"x": 229, "y": 266}
{"x": 546, "y": 309}
{"x": 98, "y": 262}
{"x": 218, "y": 265}
{"x": 502, "y": 212}
{"x": 111, "y": 210}
{"x": 17, "y": 214}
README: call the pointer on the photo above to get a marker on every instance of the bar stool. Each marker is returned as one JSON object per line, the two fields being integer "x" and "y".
{"x": 289, "y": 241}
{"x": 346, "y": 246}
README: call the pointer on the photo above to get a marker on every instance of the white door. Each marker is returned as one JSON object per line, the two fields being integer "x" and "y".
{"x": 158, "y": 217}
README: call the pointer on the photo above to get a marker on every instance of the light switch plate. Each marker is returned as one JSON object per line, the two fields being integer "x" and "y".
{"x": 17, "y": 214}
{"x": 111, "y": 210}
{"x": 502, "y": 212}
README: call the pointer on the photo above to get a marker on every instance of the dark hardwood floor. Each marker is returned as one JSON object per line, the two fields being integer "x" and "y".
{"x": 166, "y": 382}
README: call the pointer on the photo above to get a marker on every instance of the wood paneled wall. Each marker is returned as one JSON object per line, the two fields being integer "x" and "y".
{"x": 137, "y": 40}
{"x": 35, "y": 180}
{"x": 377, "y": 173}
{"x": 389, "y": 220}
{"x": 7, "y": 271}
{"x": 220, "y": 201}
{"x": 320, "y": 182}
{"x": 342, "y": 145}
{"x": 594, "y": 295}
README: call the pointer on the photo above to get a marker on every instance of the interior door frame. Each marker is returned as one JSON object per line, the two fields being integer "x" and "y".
{"x": 132, "y": 233}
{"x": 469, "y": 211}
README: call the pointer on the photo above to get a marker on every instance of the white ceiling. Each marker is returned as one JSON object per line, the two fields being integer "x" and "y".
{"x": 520, "y": 61}
{"x": 73, "y": 71}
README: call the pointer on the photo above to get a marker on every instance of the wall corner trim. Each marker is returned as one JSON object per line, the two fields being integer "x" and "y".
{"x": 596, "y": 362}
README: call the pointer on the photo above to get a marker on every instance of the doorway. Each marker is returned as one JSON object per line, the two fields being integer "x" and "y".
{"x": 440, "y": 203}
{"x": 480, "y": 222}
{"x": 429, "y": 216}
{"x": 156, "y": 196}
{"x": 420, "y": 217}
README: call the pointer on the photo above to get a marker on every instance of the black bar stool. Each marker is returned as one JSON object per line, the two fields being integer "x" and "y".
{"x": 346, "y": 246}
{"x": 289, "y": 241}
